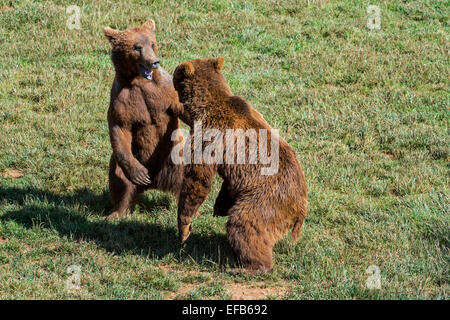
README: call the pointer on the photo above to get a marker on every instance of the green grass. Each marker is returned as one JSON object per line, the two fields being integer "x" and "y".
{"x": 366, "y": 111}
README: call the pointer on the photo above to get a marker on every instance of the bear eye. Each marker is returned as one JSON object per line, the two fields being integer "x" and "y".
{"x": 137, "y": 47}
{"x": 153, "y": 46}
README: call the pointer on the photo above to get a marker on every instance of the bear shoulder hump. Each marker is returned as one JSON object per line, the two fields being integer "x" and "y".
{"x": 240, "y": 105}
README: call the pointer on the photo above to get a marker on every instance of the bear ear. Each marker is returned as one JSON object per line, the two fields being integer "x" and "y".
{"x": 187, "y": 69}
{"x": 218, "y": 64}
{"x": 110, "y": 34}
{"x": 150, "y": 25}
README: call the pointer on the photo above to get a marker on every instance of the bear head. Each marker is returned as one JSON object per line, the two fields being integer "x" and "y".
{"x": 199, "y": 82}
{"x": 134, "y": 51}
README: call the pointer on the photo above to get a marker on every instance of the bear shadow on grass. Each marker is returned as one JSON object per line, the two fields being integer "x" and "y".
{"x": 124, "y": 236}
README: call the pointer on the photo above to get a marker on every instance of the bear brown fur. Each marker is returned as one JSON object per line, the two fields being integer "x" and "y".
{"x": 140, "y": 118}
{"x": 260, "y": 208}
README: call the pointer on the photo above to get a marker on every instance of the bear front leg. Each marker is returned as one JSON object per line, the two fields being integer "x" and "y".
{"x": 121, "y": 144}
{"x": 177, "y": 109}
{"x": 196, "y": 186}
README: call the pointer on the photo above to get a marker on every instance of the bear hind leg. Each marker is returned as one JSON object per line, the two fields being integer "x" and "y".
{"x": 123, "y": 192}
{"x": 251, "y": 244}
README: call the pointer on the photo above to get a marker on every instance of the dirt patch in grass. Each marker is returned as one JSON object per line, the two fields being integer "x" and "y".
{"x": 257, "y": 291}
{"x": 182, "y": 291}
{"x": 238, "y": 291}
{"x": 389, "y": 155}
{"x": 12, "y": 173}
{"x": 5, "y": 8}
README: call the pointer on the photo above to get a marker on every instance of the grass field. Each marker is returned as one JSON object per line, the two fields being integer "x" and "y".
{"x": 366, "y": 110}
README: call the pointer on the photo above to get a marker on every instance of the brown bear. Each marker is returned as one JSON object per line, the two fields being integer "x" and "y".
{"x": 140, "y": 118}
{"x": 261, "y": 205}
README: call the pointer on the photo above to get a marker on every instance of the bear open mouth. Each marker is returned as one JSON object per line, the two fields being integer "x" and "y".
{"x": 145, "y": 72}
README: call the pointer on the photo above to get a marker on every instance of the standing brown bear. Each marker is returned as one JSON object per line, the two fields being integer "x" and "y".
{"x": 141, "y": 119}
{"x": 261, "y": 205}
